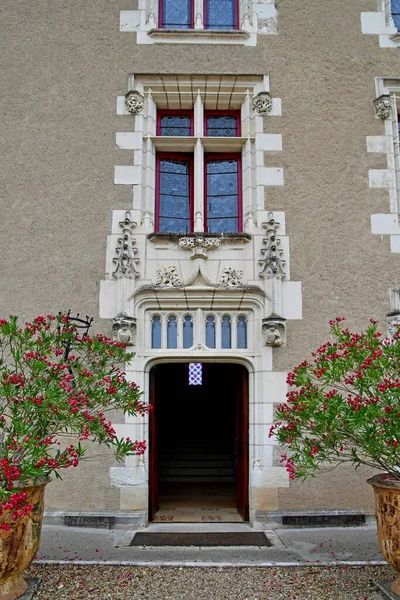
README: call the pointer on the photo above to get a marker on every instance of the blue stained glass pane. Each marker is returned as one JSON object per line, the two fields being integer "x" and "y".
{"x": 222, "y": 126}
{"x": 222, "y": 196}
{"x": 187, "y": 332}
{"x": 210, "y": 332}
{"x": 174, "y": 209}
{"x": 176, "y": 14}
{"x": 396, "y": 13}
{"x": 172, "y": 333}
{"x": 220, "y": 14}
{"x": 223, "y": 226}
{"x": 195, "y": 374}
{"x": 175, "y": 125}
{"x": 156, "y": 333}
{"x": 226, "y": 332}
{"x": 242, "y": 332}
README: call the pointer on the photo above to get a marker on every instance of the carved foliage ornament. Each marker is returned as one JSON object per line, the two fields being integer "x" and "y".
{"x": 231, "y": 278}
{"x": 262, "y": 103}
{"x": 125, "y": 261}
{"x": 124, "y": 330}
{"x": 272, "y": 262}
{"x": 134, "y": 102}
{"x": 199, "y": 245}
{"x": 167, "y": 277}
{"x": 382, "y": 106}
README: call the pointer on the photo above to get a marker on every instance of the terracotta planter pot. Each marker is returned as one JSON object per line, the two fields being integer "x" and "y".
{"x": 387, "y": 501}
{"x": 20, "y": 543}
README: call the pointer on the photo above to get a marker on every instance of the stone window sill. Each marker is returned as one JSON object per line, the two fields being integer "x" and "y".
{"x": 175, "y": 237}
{"x": 161, "y": 35}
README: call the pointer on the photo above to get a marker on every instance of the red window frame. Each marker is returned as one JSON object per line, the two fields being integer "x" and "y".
{"x": 173, "y": 156}
{"x": 161, "y": 14}
{"x": 165, "y": 112}
{"x": 238, "y": 157}
{"x": 236, "y": 13}
{"x": 216, "y": 113}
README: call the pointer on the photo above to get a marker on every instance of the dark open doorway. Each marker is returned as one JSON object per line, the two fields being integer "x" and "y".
{"x": 199, "y": 443}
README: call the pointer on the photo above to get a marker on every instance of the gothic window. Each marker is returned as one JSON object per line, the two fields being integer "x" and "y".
{"x": 174, "y": 193}
{"x": 175, "y": 123}
{"x": 222, "y": 123}
{"x": 223, "y": 191}
{"x": 187, "y": 332}
{"x": 395, "y": 10}
{"x": 176, "y": 14}
{"x": 226, "y": 335}
{"x": 242, "y": 332}
{"x": 172, "y": 332}
{"x": 156, "y": 332}
{"x": 221, "y": 14}
{"x": 210, "y": 332}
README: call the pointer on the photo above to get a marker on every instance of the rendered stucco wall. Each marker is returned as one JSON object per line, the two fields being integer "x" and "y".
{"x": 63, "y": 65}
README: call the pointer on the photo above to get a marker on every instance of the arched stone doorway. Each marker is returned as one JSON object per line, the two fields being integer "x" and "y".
{"x": 199, "y": 446}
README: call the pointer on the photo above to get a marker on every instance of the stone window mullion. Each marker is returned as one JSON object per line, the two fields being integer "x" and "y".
{"x": 199, "y": 14}
{"x": 164, "y": 326}
{"x": 234, "y": 322}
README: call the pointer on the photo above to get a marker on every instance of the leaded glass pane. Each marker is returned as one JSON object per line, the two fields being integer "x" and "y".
{"x": 222, "y": 196}
{"x": 176, "y": 14}
{"x": 187, "y": 332}
{"x": 172, "y": 333}
{"x": 220, "y": 14}
{"x": 195, "y": 374}
{"x": 174, "y": 209}
{"x": 226, "y": 332}
{"x": 242, "y": 332}
{"x": 210, "y": 332}
{"x": 156, "y": 333}
{"x": 175, "y": 125}
{"x": 222, "y": 126}
{"x": 396, "y": 13}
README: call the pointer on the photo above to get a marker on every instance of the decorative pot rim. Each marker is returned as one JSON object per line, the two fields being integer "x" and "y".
{"x": 384, "y": 480}
{"x": 38, "y": 482}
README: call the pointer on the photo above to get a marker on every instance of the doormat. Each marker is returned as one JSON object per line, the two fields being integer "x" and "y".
{"x": 245, "y": 538}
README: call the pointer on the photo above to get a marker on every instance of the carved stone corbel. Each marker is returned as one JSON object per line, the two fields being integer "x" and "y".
{"x": 262, "y": 103}
{"x": 124, "y": 329}
{"x": 134, "y": 102}
{"x": 383, "y": 107}
{"x": 199, "y": 245}
{"x": 274, "y": 331}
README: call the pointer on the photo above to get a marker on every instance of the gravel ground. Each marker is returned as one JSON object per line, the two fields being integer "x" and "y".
{"x": 80, "y": 582}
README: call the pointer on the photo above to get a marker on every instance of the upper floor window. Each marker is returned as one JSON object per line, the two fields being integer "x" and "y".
{"x": 217, "y": 14}
{"x": 221, "y": 14}
{"x": 174, "y": 203}
{"x": 176, "y": 14}
{"x": 222, "y": 123}
{"x": 395, "y": 10}
{"x": 223, "y": 196}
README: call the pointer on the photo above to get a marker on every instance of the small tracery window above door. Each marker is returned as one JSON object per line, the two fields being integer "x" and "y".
{"x": 216, "y": 331}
